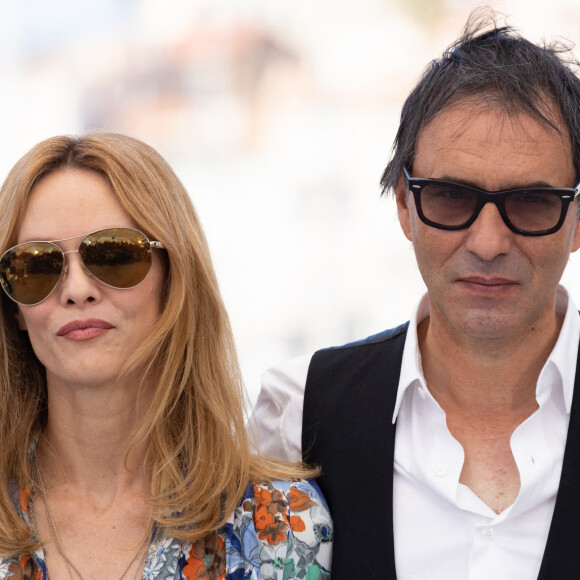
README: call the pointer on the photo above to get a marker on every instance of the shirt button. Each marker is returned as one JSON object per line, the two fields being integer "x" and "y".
{"x": 488, "y": 533}
{"x": 421, "y": 392}
{"x": 440, "y": 470}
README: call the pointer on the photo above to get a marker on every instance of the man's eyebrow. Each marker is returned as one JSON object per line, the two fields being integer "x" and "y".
{"x": 466, "y": 182}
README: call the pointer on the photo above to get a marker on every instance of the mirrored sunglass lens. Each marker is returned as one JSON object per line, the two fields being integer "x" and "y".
{"x": 30, "y": 272}
{"x": 533, "y": 211}
{"x": 118, "y": 257}
{"x": 447, "y": 204}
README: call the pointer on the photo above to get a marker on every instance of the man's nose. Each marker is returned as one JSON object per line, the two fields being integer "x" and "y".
{"x": 488, "y": 236}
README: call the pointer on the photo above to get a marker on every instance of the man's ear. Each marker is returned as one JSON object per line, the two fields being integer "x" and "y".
{"x": 402, "y": 198}
{"x": 20, "y": 319}
{"x": 576, "y": 240}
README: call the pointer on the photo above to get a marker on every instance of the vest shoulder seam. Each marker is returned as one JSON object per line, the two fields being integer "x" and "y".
{"x": 378, "y": 338}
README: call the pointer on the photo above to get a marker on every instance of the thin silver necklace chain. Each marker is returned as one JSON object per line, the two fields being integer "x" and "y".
{"x": 141, "y": 552}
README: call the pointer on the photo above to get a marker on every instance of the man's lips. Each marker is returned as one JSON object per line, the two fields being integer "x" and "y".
{"x": 488, "y": 286}
{"x": 84, "y": 329}
{"x": 487, "y": 281}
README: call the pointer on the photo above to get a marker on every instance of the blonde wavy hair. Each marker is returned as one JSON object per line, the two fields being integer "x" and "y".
{"x": 198, "y": 450}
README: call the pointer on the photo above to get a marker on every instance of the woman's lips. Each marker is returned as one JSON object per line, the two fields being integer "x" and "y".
{"x": 84, "y": 329}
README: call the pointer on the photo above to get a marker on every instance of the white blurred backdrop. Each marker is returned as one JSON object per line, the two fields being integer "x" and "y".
{"x": 278, "y": 116}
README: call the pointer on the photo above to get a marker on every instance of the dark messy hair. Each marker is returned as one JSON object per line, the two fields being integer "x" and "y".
{"x": 495, "y": 66}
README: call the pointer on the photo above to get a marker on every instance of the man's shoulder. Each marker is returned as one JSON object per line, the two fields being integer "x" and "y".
{"x": 390, "y": 334}
{"x": 357, "y": 361}
{"x": 277, "y": 418}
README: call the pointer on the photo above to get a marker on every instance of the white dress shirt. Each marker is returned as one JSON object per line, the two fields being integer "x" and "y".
{"x": 443, "y": 531}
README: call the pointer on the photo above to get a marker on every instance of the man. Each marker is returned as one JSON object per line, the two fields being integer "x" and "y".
{"x": 450, "y": 446}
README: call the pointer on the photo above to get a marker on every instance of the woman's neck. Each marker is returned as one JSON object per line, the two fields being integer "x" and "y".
{"x": 86, "y": 440}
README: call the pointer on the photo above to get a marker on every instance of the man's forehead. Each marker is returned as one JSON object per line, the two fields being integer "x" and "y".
{"x": 472, "y": 140}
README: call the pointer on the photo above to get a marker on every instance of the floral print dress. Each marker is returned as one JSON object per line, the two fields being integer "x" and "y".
{"x": 279, "y": 531}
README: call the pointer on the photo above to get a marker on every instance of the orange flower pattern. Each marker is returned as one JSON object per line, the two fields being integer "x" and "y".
{"x": 271, "y": 516}
{"x": 279, "y": 531}
{"x": 207, "y": 559}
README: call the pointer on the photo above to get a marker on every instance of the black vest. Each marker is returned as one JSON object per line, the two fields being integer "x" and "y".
{"x": 347, "y": 429}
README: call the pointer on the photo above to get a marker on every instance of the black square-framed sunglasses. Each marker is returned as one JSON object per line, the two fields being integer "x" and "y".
{"x": 117, "y": 257}
{"x": 536, "y": 211}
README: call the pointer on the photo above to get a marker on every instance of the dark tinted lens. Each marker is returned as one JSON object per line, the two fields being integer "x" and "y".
{"x": 119, "y": 257}
{"x": 29, "y": 272}
{"x": 534, "y": 210}
{"x": 447, "y": 204}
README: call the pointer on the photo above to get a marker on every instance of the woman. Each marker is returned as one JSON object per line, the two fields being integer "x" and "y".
{"x": 124, "y": 453}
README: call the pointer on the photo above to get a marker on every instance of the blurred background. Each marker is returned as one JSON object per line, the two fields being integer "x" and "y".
{"x": 278, "y": 116}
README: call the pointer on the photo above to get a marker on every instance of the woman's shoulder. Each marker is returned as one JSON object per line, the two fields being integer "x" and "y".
{"x": 285, "y": 528}
{"x": 281, "y": 530}
{"x": 299, "y": 503}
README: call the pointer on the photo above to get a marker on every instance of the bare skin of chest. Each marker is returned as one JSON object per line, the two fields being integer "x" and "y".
{"x": 101, "y": 543}
{"x": 489, "y": 468}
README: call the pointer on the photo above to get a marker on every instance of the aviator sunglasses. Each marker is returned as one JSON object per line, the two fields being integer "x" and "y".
{"x": 117, "y": 257}
{"x": 535, "y": 211}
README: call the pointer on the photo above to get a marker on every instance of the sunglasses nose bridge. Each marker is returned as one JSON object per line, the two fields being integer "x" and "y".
{"x": 65, "y": 267}
{"x": 483, "y": 199}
